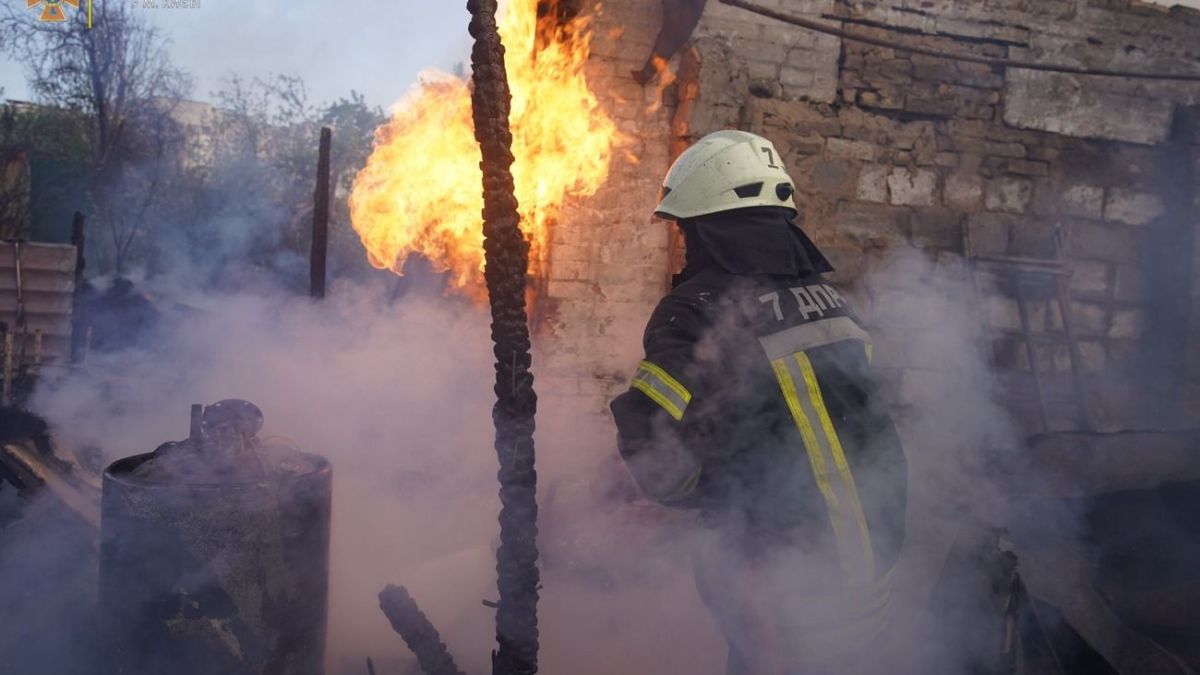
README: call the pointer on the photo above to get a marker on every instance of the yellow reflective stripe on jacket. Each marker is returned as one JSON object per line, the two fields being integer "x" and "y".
{"x": 829, "y": 628}
{"x": 824, "y": 646}
{"x": 687, "y": 487}
{"x": 808, "y": 336}
{"x": 812, "y": 335}
{"x": 815, "y": 458}
{"x": 663, "y": 389}
{"x": 839, "y": 458}
{"x": 825, "y": 453}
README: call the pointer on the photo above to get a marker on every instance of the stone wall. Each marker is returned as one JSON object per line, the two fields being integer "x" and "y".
{"x": 608, "y": 262}
{"x": 961, "y": 160}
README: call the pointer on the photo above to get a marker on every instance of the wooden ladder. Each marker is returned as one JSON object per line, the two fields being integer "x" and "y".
{"x": 1025, "y": 275}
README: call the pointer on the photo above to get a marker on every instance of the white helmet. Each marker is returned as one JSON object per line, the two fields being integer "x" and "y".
{"x": 723, "y": 171}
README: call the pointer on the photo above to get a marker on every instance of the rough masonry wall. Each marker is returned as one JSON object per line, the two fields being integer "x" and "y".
{"x": 608, "y": 266}
{"x": 957, "y": 159}
{"x": 608, "y": 261}
{"x": 888, "y": 149}
{"x": 966, "y": 161}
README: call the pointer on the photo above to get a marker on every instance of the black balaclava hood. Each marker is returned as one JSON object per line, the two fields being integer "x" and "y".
{"x": 759, "y": 240}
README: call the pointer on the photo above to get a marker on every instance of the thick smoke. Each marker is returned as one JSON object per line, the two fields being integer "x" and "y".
{"x": 398, "y": 396}
{"x": 924, "y": 315}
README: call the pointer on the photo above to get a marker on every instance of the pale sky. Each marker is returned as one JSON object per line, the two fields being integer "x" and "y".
{"x": 376, "y": 48}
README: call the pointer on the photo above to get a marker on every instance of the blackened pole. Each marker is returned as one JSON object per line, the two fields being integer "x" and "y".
{"x": 507, "y": 258}
{"x": 320, "y": 231}
{"x": 419, "y": 634}
{"x": 78, "y": 329}
{"x": 1167, "y": 268}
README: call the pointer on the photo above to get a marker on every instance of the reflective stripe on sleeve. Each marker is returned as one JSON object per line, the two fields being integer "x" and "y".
{"x": 663, "y": 389}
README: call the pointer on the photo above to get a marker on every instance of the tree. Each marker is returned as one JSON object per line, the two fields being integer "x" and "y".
{"x": 179, "y": 184}
{"x": 44, "y": 150}
{"x": 354, "y": 123}
{"x": 255, "y": 189}
{"x": 260, "y": 182}
{"x": 118, "y": 76}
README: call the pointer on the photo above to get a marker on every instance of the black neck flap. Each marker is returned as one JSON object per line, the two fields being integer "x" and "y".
{"x": 760, "y": 240}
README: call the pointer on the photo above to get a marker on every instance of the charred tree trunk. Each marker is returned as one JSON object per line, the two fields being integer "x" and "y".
{"x": 320, "y": 229}
{"x": 507, "y": 259}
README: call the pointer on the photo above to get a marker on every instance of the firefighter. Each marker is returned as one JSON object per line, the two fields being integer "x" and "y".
{"x": 755, "y": 406}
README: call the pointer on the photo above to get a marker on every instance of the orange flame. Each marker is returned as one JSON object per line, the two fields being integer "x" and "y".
{"x": 666, "y": 78}
{"x": 420, "y": 191}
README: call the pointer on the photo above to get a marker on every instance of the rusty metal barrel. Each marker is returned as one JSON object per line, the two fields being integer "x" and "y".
{"x": 216, "y": 561}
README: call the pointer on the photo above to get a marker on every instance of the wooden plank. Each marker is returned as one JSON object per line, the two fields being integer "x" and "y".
{"x": 38, "y": 280}
{"x": 38, "y": 302}
{"x": 46, "y": 257}
{"x": 54, "y": 348}
{"x": 49, "y": 324}
{"x": 48, "y": 285}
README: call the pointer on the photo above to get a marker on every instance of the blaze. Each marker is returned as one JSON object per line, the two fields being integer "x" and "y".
{"x": 420, "y": 191}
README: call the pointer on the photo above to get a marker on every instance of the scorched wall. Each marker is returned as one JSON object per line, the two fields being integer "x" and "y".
{"x": 962, "y": 161}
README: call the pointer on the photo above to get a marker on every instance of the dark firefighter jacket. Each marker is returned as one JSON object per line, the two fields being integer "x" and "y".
{"x": 754, "y": 404}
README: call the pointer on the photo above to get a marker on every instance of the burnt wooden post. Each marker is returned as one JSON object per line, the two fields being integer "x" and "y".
{"x": 419, "y": 634}
{"x": 506, "y": 254}
{"x": 320, "y": 230}
{"x": 78, "y": 329}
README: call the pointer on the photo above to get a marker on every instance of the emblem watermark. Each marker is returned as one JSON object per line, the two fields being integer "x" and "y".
{"x": 55, "y": 11}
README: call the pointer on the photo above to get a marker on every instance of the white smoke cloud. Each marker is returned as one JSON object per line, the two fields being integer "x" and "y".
{"x": 398, "y": 396}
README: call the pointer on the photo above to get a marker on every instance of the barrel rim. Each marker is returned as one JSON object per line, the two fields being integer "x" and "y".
{"x": 118, "y": 472}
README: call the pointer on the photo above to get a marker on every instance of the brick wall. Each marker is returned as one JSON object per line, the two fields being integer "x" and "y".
{"x": 960, "y": 160}
{"x": 608, "y": 261}
{"x": 780, "y": 61}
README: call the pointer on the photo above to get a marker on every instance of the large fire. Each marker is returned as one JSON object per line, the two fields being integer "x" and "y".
{"x": 420, "y": 191}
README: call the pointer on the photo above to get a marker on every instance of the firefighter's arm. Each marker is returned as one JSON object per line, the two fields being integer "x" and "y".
{"x": 651, "y": 443}
{"x": 652, "y": 416}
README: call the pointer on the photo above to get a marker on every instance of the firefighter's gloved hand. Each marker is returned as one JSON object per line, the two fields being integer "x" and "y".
{"x": 665, "y": 472}
{"x": 652, "y": 445}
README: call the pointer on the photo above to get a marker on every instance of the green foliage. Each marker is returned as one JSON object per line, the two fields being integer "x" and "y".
{"x": 354, "y": 124}
{"x": 251, "y": 193}
{"x": 116, "y": 76}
